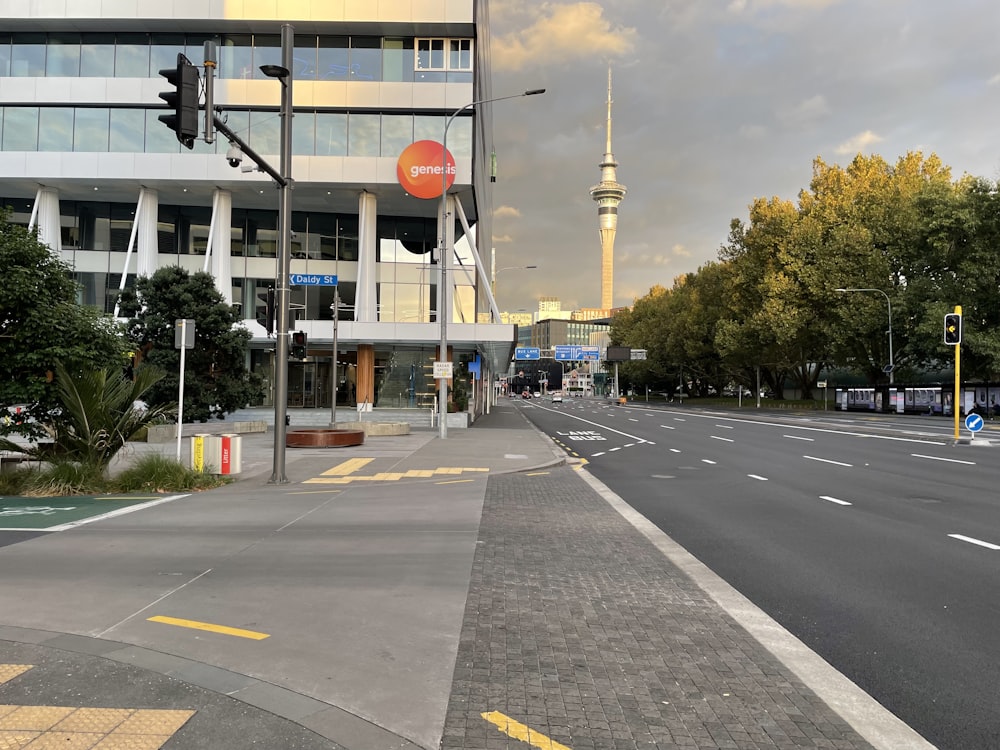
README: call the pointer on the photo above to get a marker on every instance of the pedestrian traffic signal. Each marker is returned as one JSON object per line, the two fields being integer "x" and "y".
{"x": 183, "y": 99}
{"x": 953, "y": 329}
{"x": 299, "y": 345}
{"x": 266, "y": 317}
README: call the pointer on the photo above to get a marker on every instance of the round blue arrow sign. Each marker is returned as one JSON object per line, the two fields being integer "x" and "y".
{"x": 973, "y": 423}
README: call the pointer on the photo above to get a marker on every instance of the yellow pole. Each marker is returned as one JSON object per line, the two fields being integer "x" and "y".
{"x": 956, "y": 400}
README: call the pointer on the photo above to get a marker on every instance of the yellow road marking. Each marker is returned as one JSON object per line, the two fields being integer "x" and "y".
{"x": 519, "y": 731}
{"x": 223, "y": 629}
{"x": 10, "y": 671}
{"x": 388, "y": 476}
{"x": 81, "y": 727}
{"x": 455, "y": 481}
{"x": 349, "y": 466}
{"x": 536, "y": 474}
{"x": 315, "y": 492}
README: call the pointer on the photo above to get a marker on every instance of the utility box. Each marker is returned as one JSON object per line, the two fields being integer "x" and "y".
{"x": 217, "y": 454}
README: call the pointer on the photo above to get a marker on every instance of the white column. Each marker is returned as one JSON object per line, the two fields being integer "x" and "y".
{"x": 365, "y": 307}
{"x": 147, "y": 245}
{"x": 221, "y": 252}
{"x": 46, "y": 217}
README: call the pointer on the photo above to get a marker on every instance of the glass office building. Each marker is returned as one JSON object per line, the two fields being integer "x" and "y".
{"x": 84, "y": 158}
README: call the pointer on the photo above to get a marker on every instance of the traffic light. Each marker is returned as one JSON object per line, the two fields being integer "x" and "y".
{"x": 299, "y": 345}
{"x": 267, "y": 319}
{"x": 953, "y": 329}
{"x": 183, "y": 99}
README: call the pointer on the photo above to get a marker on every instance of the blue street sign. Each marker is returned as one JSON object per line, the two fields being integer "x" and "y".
{"x": 527, "y": 352}
{"x": 973, "y": 423}
{"x": 313, "y": 279}
{"x": 567, "y": 353}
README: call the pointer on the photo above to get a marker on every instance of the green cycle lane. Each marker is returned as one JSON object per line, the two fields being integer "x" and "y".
{"x": 61, "y": 513}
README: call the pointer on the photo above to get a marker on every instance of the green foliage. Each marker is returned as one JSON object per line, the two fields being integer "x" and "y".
{"x": 42, "y": 324}
{"x": 101, "y": 414}
{"x": 64, "y": 477}
{"x": 216, "y": 379}
{"x": 156, "y": 473}
{"x": 915, "y": 241}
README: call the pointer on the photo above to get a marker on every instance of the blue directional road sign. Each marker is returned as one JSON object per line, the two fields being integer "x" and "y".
{"x": 527, "y": 352}
{"x": 576, "y": 353}
{"x": 313, "y": 279}
{"x": 973, "y": 423}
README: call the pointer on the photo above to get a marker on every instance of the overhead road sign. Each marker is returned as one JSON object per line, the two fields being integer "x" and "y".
{"x": 313, "y": 279}
{"x": 576, "y": 353}
{"x": 527, "y": 352}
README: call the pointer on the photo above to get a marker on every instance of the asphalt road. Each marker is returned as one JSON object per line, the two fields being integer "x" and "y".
{"x": 875, "y": 541}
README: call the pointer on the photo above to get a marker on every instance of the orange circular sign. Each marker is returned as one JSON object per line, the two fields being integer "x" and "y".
{"x": 419, "y": 169}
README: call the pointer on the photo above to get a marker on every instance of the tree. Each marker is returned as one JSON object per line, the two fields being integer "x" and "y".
{"x": 216, "y": 379}
{"x": 41, "y": 325}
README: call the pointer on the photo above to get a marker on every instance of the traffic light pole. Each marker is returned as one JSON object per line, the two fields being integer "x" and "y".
{"x": 958, "y": 377}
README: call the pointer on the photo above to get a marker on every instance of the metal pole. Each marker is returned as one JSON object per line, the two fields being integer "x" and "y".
{"x": 284, "y": 261}
{"x": 892, "y": 364}
{"x": 333, "y": 387}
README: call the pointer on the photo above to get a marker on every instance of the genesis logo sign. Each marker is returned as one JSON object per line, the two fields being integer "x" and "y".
{"x": 419, "y": 169}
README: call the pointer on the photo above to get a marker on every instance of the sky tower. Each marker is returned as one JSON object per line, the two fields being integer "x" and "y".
{"x": 608, "y": 193}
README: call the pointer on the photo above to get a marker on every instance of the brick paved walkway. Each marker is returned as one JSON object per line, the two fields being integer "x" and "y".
{"x": 578, "y": 628}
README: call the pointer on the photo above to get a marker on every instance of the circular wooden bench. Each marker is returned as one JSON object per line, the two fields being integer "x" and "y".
{"x": 323, "y": 438}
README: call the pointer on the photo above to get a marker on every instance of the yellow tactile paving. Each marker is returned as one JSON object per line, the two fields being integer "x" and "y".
{"x": 349, "y": 466}
{"x": 73, "y": 728}
{"x": 10, "y": 671}
{"x": 335, "y": 476}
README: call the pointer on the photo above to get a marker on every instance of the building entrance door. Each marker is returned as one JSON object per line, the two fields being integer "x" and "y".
{"x": 302, "y": 385}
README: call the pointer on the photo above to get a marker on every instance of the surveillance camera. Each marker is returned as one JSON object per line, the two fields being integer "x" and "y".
{"x": 234, "y": 156}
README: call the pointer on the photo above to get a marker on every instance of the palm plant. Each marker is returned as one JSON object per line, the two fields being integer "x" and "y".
{"x": 101, "y": 415}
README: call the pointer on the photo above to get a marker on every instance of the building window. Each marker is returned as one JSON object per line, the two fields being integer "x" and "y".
{"x": 442, "y": 55}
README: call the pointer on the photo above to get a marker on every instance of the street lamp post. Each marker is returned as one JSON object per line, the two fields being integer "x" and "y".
{"x": 444, "y": 311}
{"x": 892, "y": 364}
{"x": 283, "y": 73}
{"x": 493, "y": 280}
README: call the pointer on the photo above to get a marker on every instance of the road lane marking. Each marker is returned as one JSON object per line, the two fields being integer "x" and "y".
{"x": 632, "y": 419}
{"x": 522, "y": 732}
{"x": 833, "y": 500}
{"x": 725, "y": 426}
{"x": 536, "y": 473}
{"x": 612, "y": 450}
{"x": 949, "y": 460}
{"x": 595, "y": 455}
{"x": 827, "y": 461}
{"x": 708, "y": 461}
{"x": 598, "y": 424}
{"x": 210, "y": 627}
{"x": 972, "y": 540}
{"x": 675, "y": 450}
{"x": 455, "y": 481}
{"x": 757, "y": 476}
{"x": 727, "y": 440}
{"x": 679, "y": 419}
{"x": 799, "y": 437}
{"x": 667, "y": 427}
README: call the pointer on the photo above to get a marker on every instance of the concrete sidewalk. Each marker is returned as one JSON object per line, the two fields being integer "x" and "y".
{"x": 474, "y": 592}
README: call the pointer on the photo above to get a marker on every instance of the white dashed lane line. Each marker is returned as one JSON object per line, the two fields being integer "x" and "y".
{"x": 949, "y": 460}
{"x": 799, "y": 437}
{"x": 758, "y": 477}
{"x": 667, "y": 427}
{"x": 833, "y": 500}
{"x": 675, "y": 450}
{"x": 972, "y": 540}
{"x": 708, "y": 461}
{"x": 727, "y": 440}
{"x": 827, "y": 461}
{"x": 724, "y": 426}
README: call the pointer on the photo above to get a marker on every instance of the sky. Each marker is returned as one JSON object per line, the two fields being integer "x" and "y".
{"x": 715, "y": 103}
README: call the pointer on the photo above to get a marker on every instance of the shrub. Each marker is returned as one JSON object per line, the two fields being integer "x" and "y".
{"x": 156, "y": 473}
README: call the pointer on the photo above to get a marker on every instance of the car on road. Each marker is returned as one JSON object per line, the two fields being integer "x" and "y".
{"x": 557, "y": 397}
{"x": 537, "y": 394}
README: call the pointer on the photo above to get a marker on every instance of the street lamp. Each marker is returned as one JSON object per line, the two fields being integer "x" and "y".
{"x": 892, "y": 364}
{"x": 283, "y": 73}
{"x": 444, "y": 310}
{"x": 493, "y": 280}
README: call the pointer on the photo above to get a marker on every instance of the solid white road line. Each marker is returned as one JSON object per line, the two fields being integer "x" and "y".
{"x": 971, "y": 540}
{"x": 949, "y": 460}
{"x": 827, "y": 461}
{"x": 834, "y": 500}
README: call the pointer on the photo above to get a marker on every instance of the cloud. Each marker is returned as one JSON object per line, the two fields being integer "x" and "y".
{"x": 806, "y": 111}
{"x": 560, "y": 33}
{"x": 506, "y": 212}
{"x": 681, "y": 251}
{"x": 994, "y": 80}
{"x": 858, "y": 143}
{"x": 740, "y": 6}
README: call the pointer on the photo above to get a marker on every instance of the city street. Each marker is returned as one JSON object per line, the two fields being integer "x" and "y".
{"x": 872, "y": 538}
